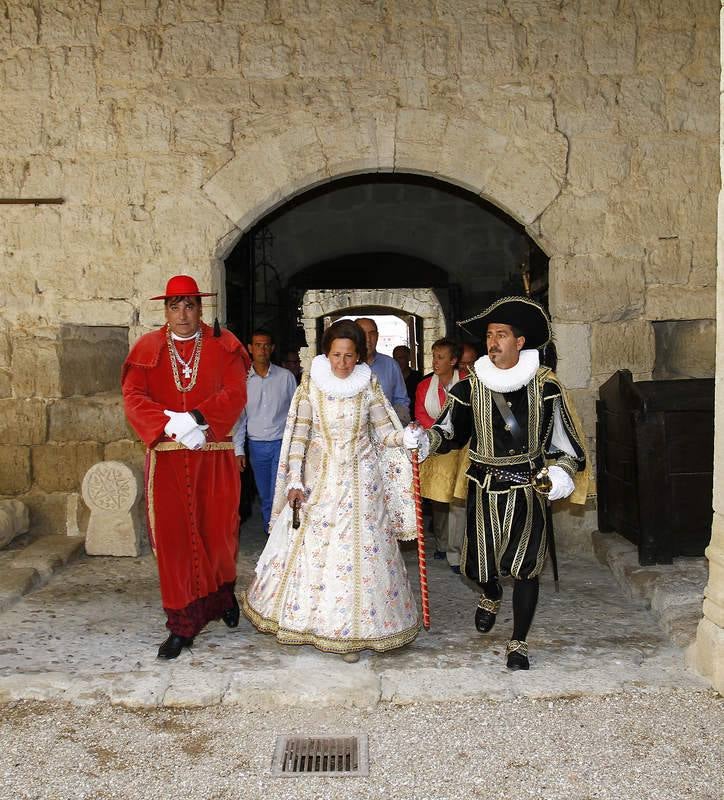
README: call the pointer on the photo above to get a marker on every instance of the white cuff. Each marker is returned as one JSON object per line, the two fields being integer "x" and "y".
{"x": 561, "y": 483}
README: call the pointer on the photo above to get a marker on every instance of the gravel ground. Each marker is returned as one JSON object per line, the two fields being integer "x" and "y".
{"x": 665, "y": 744}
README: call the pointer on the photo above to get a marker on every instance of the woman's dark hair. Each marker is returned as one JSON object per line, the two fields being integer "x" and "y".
{"x": 456, "y": 349}
{"x": 346, "y": 329}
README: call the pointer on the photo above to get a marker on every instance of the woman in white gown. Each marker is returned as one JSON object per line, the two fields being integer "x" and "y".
{"x": 339, "y": 582}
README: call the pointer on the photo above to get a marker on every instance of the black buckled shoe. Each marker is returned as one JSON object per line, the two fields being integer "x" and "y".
{"x": 231, "y": 615}
{"x": 485, "y": 613}
{"x": 174, "y": 645}
{"x": 516, "y": 654}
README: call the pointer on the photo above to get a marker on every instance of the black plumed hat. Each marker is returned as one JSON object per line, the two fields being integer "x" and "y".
{"x": 521, "y": 312}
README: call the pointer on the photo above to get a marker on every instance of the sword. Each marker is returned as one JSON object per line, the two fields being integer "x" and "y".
{"x": 552, "y": 545}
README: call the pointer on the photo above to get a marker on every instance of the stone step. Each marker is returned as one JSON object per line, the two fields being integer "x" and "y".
{"x": 25, "y": 569}
{"x": 673, "y": 592}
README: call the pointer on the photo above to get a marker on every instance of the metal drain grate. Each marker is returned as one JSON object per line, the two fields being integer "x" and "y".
{"x": 321, "y": 755}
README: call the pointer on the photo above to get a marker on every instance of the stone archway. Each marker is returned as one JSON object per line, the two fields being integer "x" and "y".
{"x": 421, "y": 302}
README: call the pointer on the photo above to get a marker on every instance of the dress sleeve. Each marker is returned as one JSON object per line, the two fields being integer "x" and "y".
{"x": 145, "y": 415}
{"x": 563, "y": 443}
{"x": 453, "y": 428}
{"x": 383, "y": 429}
{"x": 300, "y": 439}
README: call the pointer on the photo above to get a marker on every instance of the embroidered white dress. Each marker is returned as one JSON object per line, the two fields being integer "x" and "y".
{"x": 339, "y": 582}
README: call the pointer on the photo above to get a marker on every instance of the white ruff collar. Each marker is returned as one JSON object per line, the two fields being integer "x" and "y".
{"x": 508, "y": 380}
{"x": 326, "y": 381}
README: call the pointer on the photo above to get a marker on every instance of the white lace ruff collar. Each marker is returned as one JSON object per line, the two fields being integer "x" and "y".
{"x": 508, "y": 380}
{"x": 326, "y": 381}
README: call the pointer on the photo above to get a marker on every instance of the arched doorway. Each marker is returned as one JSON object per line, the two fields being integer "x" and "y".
{"x": 379, "y": 233}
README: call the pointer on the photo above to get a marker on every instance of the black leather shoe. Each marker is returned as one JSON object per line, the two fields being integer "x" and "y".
{"x": 174, "y": 645}
{"x": 485, "y": 614}
{"x": 455, "y": 568}
{"x": 231, "y": 615}
{"x": 438, "y": 555}
{"x": 517, "y": 655}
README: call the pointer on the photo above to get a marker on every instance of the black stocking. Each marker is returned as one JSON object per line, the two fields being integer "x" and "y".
{"x": 525, "y": 599}
{"x": 492, "y": 589}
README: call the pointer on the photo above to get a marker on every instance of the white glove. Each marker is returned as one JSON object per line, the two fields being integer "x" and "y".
{"x": 413, "y": 437}
{"x": 179, "y": 424}
{"x": 562, "y": 483}
{"x": 193, "y": 440}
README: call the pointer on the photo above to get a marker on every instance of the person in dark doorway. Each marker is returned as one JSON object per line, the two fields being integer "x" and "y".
{"x": 184, "y": 387}
{"x": 261, "y": 426}
{"x": 386, "y": 370}
{"x": 293, "y": 363}
{"x": 412, "y": 377}
{"x": 468, "y": 357}
{"x": 439, "y": 472}
{"x": 516, "y": 415}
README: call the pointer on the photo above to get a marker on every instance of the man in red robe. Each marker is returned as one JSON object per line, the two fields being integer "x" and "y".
{"x": 184, "y": 387}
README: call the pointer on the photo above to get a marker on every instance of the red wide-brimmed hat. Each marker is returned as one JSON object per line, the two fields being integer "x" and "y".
{"x": 182, "y": 286}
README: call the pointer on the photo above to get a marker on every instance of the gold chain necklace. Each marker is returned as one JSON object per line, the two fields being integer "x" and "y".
{"x": 172, "y": 352}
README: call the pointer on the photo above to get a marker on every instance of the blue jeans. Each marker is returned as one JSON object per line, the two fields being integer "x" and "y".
{"x": 264, "y": 458}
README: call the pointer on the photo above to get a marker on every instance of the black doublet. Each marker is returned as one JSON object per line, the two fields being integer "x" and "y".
{"x": 507, "y": 528}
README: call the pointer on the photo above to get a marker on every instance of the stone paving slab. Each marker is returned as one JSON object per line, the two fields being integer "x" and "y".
{"x": 48, "y": 553}
{"x": 91, "y": 634}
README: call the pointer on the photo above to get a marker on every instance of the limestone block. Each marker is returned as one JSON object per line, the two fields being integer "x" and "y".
{"x": 111, "y": 491}
{"x": 597, "y": 165}
{"x": 27, "y": 72}
{"x": 61, "y": 467}
{"x": 692, "y": 105}
{"x": 6, "y": 384}
{"x": 189, "y": 137}
{"x": 47, "y": 510}
{"x": 199, "y": 48}
{"x": 7, "y": 527}
{"x": 19, "y": 515}
{"x": 642, "y": 106}
{"x": 48, "y": 553}
{"x": 73, "y": 74}
{"x": 622, "y": 345}
{"x": 573, "y": 342}
{"x": 63, "y": 361}
{"x": 267, "y": 54}
{"x": 129, "y": 55}
{"x": 76, "y": 517}
{"x": 584, "y": 401}
{"x": 586, "y": 105}
{"x": 685, "y": 349}
{"x": 21, "y": 129}
{"x": 610, "y": 49}
{"x": 662, "y": 51}
{"x": 99, "y": 418}
{"x": 67, "y": 23}
{"x": 22, "y": 421}
{"x": 14, "y": 583}
{"x": 15, "y": 473}
{"x": 669, "y": 261}
{"x": 599, "y": 288}
{"x": 21, "y": 26}
{"x": 143, "y": 128}
{"x": 128, "y": 451}
{"x": 679, "y": 302}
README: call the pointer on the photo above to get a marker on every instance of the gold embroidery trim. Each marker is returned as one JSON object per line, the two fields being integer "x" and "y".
{"x": 166, "y": 447}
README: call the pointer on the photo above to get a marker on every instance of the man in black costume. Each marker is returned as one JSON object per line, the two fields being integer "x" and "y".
{"x": 517, "y": 418}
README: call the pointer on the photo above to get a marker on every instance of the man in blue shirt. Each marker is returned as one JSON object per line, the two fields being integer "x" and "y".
{"x": 269, "y": 394}
{"x": 387, "y": 370}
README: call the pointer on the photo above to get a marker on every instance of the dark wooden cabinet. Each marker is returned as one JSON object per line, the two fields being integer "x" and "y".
{"x": 655, "y": 460}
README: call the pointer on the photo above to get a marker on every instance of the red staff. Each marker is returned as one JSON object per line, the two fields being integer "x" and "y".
{"x": 420, "y": 542}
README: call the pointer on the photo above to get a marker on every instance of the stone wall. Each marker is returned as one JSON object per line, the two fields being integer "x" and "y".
{"x": 61, "y": 412}
{"x": 170, "y": 128}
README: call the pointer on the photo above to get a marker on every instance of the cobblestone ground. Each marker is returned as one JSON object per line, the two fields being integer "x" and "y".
{"x": 656, "y": 744}
{"x": 92, "y": 633}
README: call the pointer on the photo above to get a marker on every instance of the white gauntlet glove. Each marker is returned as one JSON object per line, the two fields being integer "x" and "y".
{"x": 415, "y": 438}
{"x": 562, "y": 483}
{"x": 193, "y": 440}
{"x": 183, "y": 428}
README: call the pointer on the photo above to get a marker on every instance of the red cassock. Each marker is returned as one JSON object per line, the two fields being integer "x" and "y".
{"x": 192, "y": 497}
